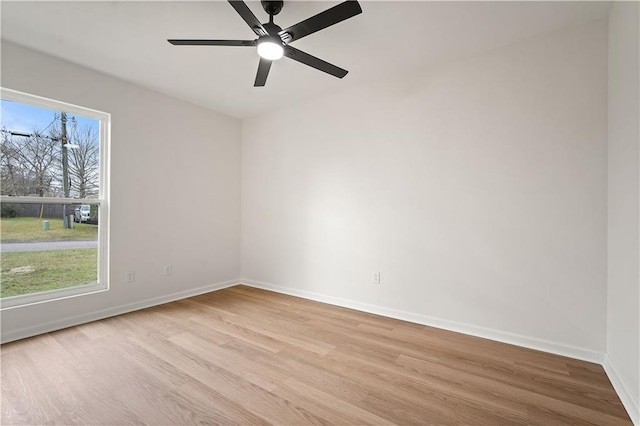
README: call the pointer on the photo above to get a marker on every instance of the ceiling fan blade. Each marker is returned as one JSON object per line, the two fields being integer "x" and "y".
{"x": 212, "y": 42}
{"x": 312, "y": 61}
{"x": 248, "y": 16}
{"x": 338, "y": 13}
{"x": 263, "y": 72}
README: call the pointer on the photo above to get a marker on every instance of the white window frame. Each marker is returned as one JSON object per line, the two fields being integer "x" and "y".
{"x": 102, "y": 202}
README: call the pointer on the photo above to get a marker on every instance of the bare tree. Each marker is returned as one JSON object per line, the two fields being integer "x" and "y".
{"x": 84, "y": 161}
{"x": 29, "y": 164}
{"x": 41, "y": 156}
{"x": 10, "y": 171}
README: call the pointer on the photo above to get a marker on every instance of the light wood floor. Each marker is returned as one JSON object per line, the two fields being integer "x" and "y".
{"x": 247, "y": 356}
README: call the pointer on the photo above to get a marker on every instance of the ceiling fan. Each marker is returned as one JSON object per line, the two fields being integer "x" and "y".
{"x": 273, "y": 42}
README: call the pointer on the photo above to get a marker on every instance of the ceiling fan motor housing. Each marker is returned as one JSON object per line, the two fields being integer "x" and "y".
{"x": 272, "y": 7}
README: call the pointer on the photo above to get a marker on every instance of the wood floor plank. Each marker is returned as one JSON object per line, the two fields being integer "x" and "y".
{"x": 252, "y": 357}
{"x": 335, "y": 410}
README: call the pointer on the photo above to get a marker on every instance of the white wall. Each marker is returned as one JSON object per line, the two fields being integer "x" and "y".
{"x": 477, "y": 189}
{"x": 175, "y": 190}
{"x": 623, "y": 296}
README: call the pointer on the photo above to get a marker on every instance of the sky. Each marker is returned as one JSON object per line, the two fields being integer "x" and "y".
{"x": 24, "y": 118}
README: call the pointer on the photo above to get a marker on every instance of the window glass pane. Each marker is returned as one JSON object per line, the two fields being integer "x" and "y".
{"x": 48, "y": 153}
{"x": 51, "y": 150}
{"x": 40, "y": 254}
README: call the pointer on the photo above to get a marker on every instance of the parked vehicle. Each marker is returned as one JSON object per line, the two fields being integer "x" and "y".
{"x": 82, "y": 213}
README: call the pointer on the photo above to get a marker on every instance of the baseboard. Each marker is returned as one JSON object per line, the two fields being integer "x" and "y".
{"x": 48, "y": 327}
{"x": 487, "y": 333}
{"x": 630, "y": 402}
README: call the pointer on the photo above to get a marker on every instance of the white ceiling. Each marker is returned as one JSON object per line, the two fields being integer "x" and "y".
{"x": 128, "y": 40}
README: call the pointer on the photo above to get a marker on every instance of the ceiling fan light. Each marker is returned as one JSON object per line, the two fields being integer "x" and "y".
{"x": 270, "y": 49}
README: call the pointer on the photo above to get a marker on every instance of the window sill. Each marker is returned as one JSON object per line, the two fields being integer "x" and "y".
{"x": 13, "y": 302}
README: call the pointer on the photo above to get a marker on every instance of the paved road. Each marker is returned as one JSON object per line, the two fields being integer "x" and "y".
{"x": 47, "y": 245}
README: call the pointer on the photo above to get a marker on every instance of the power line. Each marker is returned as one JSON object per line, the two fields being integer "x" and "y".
{"x": 55, "y": 118}
{"x": 28, "y": 135}
{"x": 38, "y": 133}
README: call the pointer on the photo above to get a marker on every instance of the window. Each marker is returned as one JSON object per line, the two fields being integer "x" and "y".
{"x": 54, "y": 199}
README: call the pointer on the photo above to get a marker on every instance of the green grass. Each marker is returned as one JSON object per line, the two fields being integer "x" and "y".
{"x": 47, "y": 270}
{"x": 30, "y": 229}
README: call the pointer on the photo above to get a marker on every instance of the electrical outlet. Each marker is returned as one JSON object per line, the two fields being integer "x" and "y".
{"x": 168, "y": 270}
{"x": 130, "y": 277}
{"x": 375, "y": 277}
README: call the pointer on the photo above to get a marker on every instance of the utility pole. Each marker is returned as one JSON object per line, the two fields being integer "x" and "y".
{"x": 65, "y": 168}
